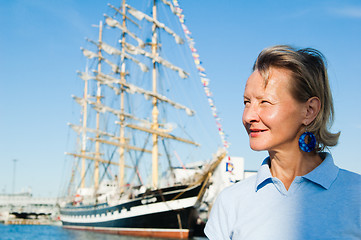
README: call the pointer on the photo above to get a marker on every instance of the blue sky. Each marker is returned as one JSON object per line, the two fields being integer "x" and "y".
{"x": 39, "y": 56}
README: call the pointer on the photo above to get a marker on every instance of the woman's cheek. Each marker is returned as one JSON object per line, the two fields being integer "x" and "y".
{"x": 269, "y": 113}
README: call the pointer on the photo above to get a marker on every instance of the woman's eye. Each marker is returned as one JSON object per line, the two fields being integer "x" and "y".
{"x": 265, "y": 101}
{"x": 245, "y": 102}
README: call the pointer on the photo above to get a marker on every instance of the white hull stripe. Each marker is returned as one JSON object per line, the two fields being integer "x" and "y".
{"x": 133, "y": 212}
{"x": 127, "y": 229}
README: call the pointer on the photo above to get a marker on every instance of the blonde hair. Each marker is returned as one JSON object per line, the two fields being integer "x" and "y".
{"x": 309, "y": 75}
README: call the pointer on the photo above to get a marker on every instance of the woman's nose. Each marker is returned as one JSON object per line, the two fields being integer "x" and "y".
{"x": 250, "y": 114}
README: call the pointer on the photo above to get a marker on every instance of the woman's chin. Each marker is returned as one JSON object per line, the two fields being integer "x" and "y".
{"x": 255, "y": 147}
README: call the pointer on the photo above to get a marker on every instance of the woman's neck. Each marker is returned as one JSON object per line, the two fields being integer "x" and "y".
{"x": 287, "y": 165}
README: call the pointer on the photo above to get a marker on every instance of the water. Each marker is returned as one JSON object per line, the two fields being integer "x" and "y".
{"x": 42, "y": 232}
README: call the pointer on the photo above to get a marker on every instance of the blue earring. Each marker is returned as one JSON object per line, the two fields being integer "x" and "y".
{"x": 310, "y": 146}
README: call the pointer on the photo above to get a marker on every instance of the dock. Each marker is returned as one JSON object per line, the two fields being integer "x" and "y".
{"x": 23, "y": 208}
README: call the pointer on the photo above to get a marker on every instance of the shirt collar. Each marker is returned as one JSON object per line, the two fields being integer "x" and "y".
{"x": 323, "y": 175}
{"x": 263, "y": 174}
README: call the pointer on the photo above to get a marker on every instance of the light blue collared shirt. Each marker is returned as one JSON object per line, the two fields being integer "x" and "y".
{"x": 323, "y": 204}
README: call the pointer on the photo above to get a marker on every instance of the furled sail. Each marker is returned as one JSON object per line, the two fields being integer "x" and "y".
{"x": 89, "y": 54}
{"x": 111, "y": 22}
{"x": 80, "y": 129}
{"x": 140, "y": 15}
{"x": 113, "y": 51}
{"x": 115, "y": 67}
{"x": 124, "y": 15}
{"x": 85, "y": 76}
{"x": 103, "y": 108}
{"x": 126, "y": 146}
{"x": 162, "y": 134}
{"x": 130, "y": 88}
{"x": 92, "y": 158}
{"x": 136, "y": 50}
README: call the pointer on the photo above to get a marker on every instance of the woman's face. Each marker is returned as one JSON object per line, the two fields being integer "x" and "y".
{"x": 271, "y": 116}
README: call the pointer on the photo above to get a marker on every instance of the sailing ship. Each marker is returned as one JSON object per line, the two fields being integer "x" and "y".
{"x": 134, "y": 120}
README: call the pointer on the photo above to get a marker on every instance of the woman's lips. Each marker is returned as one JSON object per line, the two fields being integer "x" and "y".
{"x": 256, "y": 132}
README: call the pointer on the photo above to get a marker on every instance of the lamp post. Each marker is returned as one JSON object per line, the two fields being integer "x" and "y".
{"x": 14, "y": 160}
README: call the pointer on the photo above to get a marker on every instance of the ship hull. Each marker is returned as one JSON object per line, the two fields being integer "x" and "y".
{"x": 165, "y": 213}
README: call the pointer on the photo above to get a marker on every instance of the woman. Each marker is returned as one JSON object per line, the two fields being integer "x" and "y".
{"x": 298, "y": 192}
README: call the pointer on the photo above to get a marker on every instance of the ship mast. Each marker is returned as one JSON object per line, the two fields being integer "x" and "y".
{"x": 98, "y": 100}
{"x": 122, "y": 118}
{"x": 83, "y": 143}
{"x": 155, "y": 111}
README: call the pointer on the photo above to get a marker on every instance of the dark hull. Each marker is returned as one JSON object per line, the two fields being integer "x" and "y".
{"x": 169, "y": 213}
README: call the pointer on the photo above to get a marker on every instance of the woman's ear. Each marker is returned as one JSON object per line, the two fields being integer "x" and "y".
{"x": 313, "y": 106}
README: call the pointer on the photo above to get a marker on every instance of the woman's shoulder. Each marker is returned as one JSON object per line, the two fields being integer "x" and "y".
{"x": 348, "y": 183}
{"x": 348, "y": 176}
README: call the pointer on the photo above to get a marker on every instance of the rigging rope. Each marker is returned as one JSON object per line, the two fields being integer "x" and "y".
{"x": 202, "y": 73}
